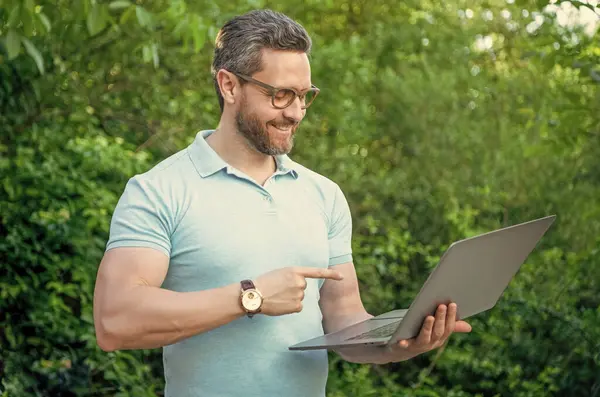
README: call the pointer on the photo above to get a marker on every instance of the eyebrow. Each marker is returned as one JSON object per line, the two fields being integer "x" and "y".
{"x": 261, "y": 83}
{"x": 294, "y": 87}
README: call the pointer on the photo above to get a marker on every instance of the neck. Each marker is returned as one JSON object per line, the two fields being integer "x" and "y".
{"x": 236, "y": 151}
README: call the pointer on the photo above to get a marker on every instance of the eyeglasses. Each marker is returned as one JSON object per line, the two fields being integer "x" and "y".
{"x": 281, "y": 98}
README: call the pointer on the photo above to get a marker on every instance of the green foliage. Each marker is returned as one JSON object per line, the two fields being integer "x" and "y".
{"x": 54, "y": 221}
{"x": 438, "y": 121}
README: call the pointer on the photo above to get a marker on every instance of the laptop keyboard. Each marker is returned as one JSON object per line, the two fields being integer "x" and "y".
{"x": 381, "y": 332}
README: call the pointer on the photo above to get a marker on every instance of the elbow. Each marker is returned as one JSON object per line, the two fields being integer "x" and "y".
{"x": 106, "y": 336}
{"x": 106, "y": 342}
{"x": 106, "y": 345}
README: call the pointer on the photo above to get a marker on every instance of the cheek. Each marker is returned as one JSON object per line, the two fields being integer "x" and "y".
{"x": 267, "y": 116}
{"x": 261, "y": 111}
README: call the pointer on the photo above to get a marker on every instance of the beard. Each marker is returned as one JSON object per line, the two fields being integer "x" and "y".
{"x": 258, "y": 136}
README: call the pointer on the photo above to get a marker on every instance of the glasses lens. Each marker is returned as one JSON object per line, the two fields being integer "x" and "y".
{"x": 283, "y": 98}
{"x": 310, "y": 96}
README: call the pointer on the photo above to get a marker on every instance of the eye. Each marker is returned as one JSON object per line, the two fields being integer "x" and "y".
{"x": 284, "y": 97}
{"x": 284, "y": 94}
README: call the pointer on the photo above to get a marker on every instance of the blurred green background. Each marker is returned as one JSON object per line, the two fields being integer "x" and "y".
{"x": 439, "y": 120}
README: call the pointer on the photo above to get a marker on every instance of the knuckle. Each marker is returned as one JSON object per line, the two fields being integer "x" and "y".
{"x": 300, "y": 282}
{"x": 292, "y": 276}
{"x": 298, "y": 307}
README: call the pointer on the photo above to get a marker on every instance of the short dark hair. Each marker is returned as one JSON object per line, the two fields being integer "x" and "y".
{"x": 240, "y": 41}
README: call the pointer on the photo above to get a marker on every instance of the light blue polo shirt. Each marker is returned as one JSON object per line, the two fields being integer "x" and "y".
{"x": 218, "y": 226}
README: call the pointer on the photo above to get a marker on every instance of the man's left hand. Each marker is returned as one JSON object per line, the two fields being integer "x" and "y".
{"x": 434, "y": 333}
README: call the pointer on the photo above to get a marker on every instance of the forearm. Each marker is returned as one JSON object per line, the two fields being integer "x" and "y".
{"x": 147, "y": 317}
{"x": 357, "y": 354}
{"x": 360, "y": 354}
{"x": 339, "y": 321}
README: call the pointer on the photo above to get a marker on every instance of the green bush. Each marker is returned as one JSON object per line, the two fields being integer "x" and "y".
{"x": 431, "y": 140}
{"x": 60, "y": 185}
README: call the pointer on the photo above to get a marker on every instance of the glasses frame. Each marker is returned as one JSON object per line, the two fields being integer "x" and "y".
{"x": 272, "y": 91}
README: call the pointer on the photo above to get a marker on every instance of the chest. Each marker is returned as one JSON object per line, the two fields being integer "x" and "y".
{"x": 231, "y": 232}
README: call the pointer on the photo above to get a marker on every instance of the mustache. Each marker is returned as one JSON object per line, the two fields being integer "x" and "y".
{"x": 289, "y": 123}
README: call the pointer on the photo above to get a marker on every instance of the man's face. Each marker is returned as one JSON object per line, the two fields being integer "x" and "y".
{"x": 267, "y": 129}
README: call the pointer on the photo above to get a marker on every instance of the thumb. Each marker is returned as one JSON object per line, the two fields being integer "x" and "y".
{"x": 462, "y": 326}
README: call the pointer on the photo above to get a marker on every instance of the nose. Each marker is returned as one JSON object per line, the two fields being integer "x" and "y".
{"x": 295, "y": 111}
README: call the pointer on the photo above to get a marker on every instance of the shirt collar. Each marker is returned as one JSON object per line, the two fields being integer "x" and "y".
{"x": 208, "y": 162}
{"x": 285, "y": 165}
{"x": 205, "y": 159}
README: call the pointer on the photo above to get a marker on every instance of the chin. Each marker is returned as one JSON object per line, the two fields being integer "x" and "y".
{"x": 280, "y": 148}
{"x": 277, "y": 151}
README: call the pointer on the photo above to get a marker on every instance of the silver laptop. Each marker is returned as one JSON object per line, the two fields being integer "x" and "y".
{"x": 473, "y": 273}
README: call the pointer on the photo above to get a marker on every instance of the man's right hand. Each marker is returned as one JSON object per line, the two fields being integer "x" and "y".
{"x": 283, "y": 289}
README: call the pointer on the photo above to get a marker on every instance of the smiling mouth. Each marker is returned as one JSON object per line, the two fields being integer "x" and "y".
{"x": 284, "y": 129}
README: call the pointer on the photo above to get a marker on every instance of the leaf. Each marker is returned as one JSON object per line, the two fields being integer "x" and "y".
{"x": 579, "y": 4}
{"x": 30, "y": 5}
{"x": 13, "y": 44}
{"x": 13, "y": 19}
{"x": 155, "y": 58}
{"x": 144, "y": 17}
{"x": 119, "y": 4}
{"x": 126, "y": 15}
{"x": 181, "y": 26}
{"x": 96, "y": 19}
{"x": 34, "y": 53}
{"x": 45, "y": 21}
{"x": 8, "y": 188}
{"x": 27, "y": 20}
{"x": 146, "y": 53}
{"x": 199, "y": 34}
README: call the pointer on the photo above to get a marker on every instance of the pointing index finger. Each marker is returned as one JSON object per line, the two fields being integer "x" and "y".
{"x": 317, "y": 272}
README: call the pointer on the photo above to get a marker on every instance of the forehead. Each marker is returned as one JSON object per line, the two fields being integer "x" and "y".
{"x": 285, "y": 69}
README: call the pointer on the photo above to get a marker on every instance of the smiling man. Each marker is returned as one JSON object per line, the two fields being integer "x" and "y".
{"x": 228, "y": 252}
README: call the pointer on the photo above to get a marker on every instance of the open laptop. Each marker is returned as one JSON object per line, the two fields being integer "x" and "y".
{"x": 473, "y": 273}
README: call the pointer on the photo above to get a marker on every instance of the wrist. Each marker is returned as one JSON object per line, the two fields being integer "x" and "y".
{"x": 251, "y": 300}
{"x": 396, "y": 354}
{"x": 233, "y": 292}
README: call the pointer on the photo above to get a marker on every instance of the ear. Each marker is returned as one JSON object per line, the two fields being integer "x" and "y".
{"x": 228, "y": 84}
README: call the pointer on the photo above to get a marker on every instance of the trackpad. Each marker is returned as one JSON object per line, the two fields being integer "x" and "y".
{"x": 393, "y": 314}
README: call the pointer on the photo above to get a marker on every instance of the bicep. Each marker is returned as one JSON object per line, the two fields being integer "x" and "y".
{"x": 340, "y": 300}
{"x": 127, "y": 267}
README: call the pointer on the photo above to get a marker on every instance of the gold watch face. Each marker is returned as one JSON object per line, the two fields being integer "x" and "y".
{"x": 251, "y": 300}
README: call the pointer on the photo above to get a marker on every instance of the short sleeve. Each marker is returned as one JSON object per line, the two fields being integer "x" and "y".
{"x": 141, "y": 218}
{"x": 340, "y": 230}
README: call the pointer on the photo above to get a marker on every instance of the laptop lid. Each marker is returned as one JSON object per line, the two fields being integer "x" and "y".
{"x": 473, "y": 273}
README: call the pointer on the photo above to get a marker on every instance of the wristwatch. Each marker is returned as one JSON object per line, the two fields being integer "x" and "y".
{"x": 250, "y": 298}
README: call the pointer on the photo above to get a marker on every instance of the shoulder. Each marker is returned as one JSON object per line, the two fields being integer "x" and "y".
{"x": 325, "y": 189}
{"x": 169, "y": 169}
{"x": 168, "y": 178}
{"x": 315, "y": 180}
{"x": 165, "y": 186}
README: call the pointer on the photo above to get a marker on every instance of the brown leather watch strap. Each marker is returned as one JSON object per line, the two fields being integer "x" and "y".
{"x": 247, "y": 284}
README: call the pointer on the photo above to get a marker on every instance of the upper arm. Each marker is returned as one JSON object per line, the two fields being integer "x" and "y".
{"x": 340, "y": 301}
{"x": 143, "y": 216}
{"x": 125, "y": 268}
{"x": 139, "y": 245}
{"x": 340, "y": 230}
